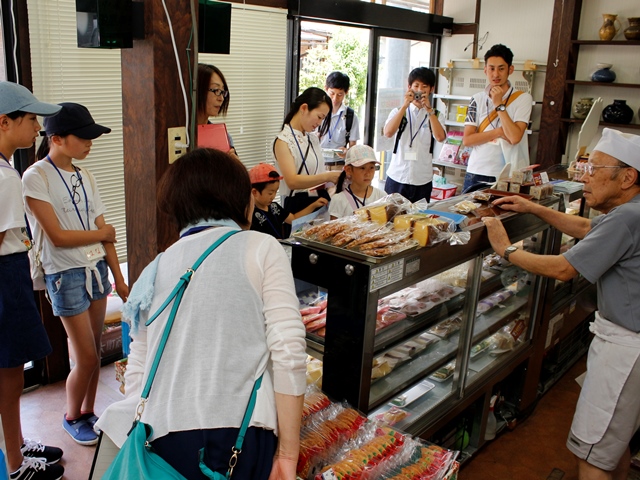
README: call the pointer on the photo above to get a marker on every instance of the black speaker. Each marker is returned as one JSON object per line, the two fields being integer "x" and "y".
{"x": 214, "y": 27}
{"x": 104, "y": 23}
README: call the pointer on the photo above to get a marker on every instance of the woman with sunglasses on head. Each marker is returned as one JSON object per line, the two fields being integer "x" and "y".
{"x": 63, "y": 201}
{"x": 213, "y": 97}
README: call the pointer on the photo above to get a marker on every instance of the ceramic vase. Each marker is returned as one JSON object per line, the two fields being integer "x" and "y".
{"x": 632, "y": 32}
{"x": 608, "y": 29}
{"x": 618, "y": 112}
{"x": 603, "y": 73}
{"x": 582, "y": 107}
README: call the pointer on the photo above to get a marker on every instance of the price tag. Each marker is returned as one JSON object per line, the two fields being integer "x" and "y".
{"x": 386, "y": 275}
{"x": 329, "y": 475}
{"x": 545, "y": 177}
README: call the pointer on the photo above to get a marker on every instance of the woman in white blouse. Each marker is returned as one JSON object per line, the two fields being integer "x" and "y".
{"x": 298, "y": 153}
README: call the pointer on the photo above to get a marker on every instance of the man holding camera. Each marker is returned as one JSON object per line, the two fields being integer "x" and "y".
{"x": 496, "y": 122}
{"x": 411, "y": 171}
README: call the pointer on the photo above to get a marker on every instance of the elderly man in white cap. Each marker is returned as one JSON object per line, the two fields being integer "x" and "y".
{"x": 608, "y": 411}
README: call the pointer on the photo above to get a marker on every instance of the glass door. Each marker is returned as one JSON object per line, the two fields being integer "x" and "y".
{"x": 396, "y": 57}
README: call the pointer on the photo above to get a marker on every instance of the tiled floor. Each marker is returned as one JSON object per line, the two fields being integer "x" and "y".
{"x": 42, "y": 411}
{"x": 535, "y": 450}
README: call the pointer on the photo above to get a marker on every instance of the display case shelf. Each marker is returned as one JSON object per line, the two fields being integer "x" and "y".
{"x": 619, "y": 43}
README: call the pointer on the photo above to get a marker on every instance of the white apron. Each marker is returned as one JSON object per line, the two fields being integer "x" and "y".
{"x": 612, "y": 355}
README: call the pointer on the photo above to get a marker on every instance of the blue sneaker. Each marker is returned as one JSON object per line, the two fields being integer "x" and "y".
{"x": 80, "y": 431}
{"x": 91, "y": 418}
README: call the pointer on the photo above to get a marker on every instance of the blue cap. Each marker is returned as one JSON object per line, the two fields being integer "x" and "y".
{"x": 16, "y": 98}
{"x": 74, "y": 119}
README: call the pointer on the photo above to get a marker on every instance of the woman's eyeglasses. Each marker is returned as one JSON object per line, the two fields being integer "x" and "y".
{"x": 219, "y": 92}
{"x": 590, "y": 168}
{"x": 76, "y": 181}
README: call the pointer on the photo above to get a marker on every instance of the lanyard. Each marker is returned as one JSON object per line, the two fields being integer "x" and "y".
{"x": 356, "y": 199}
{"x": 8, "y": 165}
{"x": 302, "y": 155}
{"x": 86, "y": 199}
{"x": 505, "y": 102}
{"x": 413, "y": 137}
{"x": 331, "y": 132}
{"x": 273, "y": 227}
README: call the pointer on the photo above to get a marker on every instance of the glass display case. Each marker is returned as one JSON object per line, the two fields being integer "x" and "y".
{"x": 408, "y": 337}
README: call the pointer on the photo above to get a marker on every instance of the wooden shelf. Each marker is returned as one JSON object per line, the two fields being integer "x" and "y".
{"x": 633, "y": 126}
{"x": 610, "y": 42}
{"x": 604, "y": 84}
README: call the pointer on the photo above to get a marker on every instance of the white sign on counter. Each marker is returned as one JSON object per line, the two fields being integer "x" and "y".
{"x": 386, "y": 275}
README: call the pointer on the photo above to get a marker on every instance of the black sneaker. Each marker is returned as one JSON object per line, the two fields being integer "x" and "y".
{"x": 33, "y": 468}
{"x": 33, "y": 448}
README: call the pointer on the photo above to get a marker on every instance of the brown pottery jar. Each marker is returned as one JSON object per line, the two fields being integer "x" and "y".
{"x": 632, "y": 32}
{"x": 608, "y": 29}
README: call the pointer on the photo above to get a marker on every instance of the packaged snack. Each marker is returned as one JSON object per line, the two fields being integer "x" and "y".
{"x": 480, "y": 196}
{"x": 447, "y": 328}
{"x": 385, "y": 209}
{"x": 465, "y": 206}
{"x": 443, "y": 373}
{"x": 393, "y": 415}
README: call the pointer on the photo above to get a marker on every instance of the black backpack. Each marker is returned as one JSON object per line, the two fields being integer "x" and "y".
{"x": 348, "y": 120}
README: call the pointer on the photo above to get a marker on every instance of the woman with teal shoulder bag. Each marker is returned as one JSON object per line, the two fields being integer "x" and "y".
{"x": 230, "y": 371}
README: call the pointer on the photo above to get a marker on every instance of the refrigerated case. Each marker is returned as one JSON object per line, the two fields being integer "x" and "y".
{"x": 481, "y": 300}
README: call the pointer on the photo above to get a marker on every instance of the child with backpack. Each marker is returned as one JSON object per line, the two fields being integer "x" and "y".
{"x": 344, "y": 128}
{"x": 415, "y": 125}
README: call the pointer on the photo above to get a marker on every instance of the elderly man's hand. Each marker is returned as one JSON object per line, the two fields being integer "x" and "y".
{"x": 514, "y": 203}
{"x": 497, "y": 234}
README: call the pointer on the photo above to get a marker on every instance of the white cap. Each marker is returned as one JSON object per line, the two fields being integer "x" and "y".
{"x": 623, "y": 146}
{"x": 360, "y": 155}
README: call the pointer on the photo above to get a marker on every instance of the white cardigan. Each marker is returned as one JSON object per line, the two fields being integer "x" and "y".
{"x": 239, "y": 318}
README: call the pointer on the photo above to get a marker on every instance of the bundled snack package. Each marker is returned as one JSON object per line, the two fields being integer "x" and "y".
{"x": 314, "y": 372}
{"x": 385, "y": 209}
{"x": 465, "y": 206}
{"x": 494, "y": 299}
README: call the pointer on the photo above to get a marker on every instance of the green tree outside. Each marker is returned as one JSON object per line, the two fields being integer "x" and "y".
{"x": 347, "y": 53}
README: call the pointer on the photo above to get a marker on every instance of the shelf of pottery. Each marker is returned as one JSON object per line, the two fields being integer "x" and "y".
{"x": 463, "y": 78}
{"x": 617, "y": 81}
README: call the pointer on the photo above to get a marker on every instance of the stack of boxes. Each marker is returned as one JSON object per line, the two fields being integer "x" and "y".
{"x": 525, "y": 181}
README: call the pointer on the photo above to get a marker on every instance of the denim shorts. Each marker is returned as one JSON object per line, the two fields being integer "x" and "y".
{"x": 68, "y": 290}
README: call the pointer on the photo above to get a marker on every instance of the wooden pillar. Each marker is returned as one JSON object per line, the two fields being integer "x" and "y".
{"x": 152, "y": 102}
{"x": 561, "y": 64}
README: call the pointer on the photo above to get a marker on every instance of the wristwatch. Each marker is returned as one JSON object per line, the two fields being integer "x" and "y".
{"x": 508, "y": 251}
{"x": 501, "y": 108}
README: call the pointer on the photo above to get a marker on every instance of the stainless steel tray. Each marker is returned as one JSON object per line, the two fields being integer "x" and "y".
{"x": 351, "y": 254}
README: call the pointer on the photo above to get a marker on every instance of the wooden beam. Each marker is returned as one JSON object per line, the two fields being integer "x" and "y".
{"x": 151, "y": 103}
{"x": 561, "y": 64}
{"x": 465, "y": 29}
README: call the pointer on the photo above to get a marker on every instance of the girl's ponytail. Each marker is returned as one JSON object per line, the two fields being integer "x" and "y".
{"x": 43, "y": 149}
{"x": 341, "y": 179}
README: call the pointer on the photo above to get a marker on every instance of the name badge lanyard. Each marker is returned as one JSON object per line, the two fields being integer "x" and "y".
{"x": 86, "y": 199}
{"x": 8, "y": 165}
{"x": 335, "y": 126}
{"x": 411, "y": 134}
{"x": 303, "y": 156}
{"x": 356, "y": 199}
{"x": 505, "y": 102}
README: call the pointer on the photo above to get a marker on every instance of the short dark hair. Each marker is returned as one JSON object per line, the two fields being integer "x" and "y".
{"x": 338, "y": 80}
{"x": 313, "y": 97}
{"x": 424, "y": 75}
{"x": 501, "y": 51}
{"x": 205, "y": 184}
{"x": 15, "y": 115}
{"x": 202, "y": 90}
{"x": 260, "y": 186}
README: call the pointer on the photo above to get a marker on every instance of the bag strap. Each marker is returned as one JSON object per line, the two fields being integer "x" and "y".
{"x": 401, "y": 129}
{"x": 493, "y": 115}
{"x": 348, "y": 123}
{"x": 237, "y": 448}
{"x": 174, "y": 297}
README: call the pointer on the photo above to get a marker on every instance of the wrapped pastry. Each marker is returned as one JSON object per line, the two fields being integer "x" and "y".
{"x": 465, "y": 206}
{"x": 384, "y": 210}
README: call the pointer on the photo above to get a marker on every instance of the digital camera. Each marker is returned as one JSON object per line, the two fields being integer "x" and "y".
{"x": 417, "y": 95}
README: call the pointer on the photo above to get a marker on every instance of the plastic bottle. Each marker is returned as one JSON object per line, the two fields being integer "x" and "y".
{"x": 490, "y": 431}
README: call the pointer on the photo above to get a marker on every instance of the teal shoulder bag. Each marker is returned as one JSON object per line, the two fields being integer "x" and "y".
{"x": 136, "y": 458}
